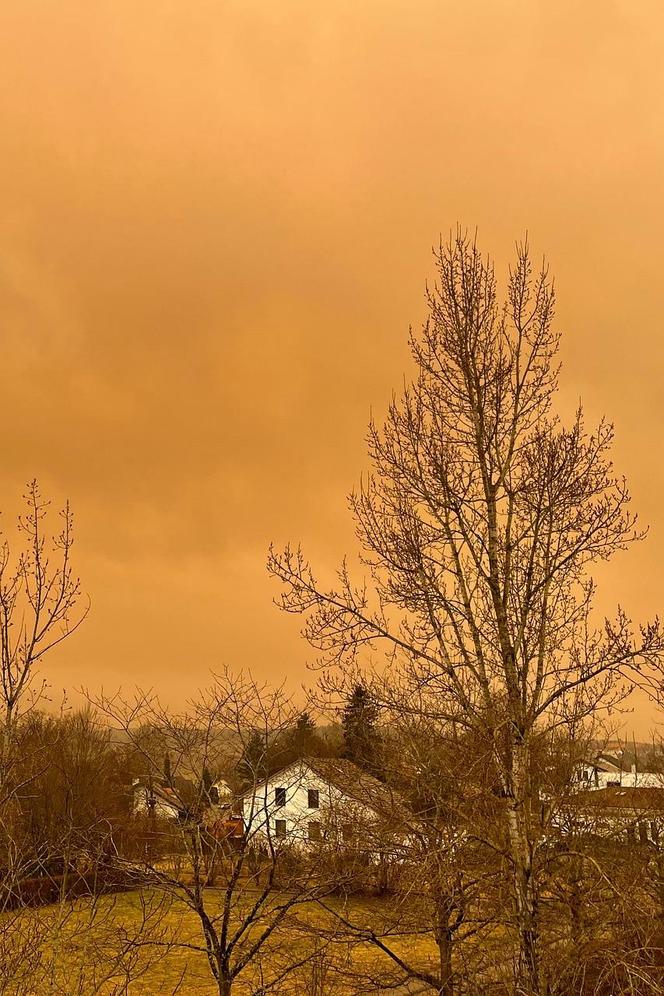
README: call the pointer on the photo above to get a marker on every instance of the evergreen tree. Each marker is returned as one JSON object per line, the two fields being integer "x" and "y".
{"x": 299, "y": 741}
{"x": 210, "y": 793}
{"x": 358, "y": 722}
{"x": 253, "y": 763}
{"x": 304, "y": 736}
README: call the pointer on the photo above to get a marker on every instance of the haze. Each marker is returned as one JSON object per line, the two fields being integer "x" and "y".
{"x": 216, "y": 228}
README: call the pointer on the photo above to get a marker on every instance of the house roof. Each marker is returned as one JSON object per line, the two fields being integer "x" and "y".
{"x": 615, "y": 798}
{"x": 353, "y": 782}
{"x": 162, "y": 792}
{"x": 611, "y": 759}
{"x": 358, "y": 784}
{"x": 609, "y": 764}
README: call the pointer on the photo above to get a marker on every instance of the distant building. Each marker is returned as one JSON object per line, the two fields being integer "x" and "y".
{"x": 329, "y": 799}
{"x": 155, "y": 799}
{"x": 616, "y": 770}
{"x": 177, "y": 801}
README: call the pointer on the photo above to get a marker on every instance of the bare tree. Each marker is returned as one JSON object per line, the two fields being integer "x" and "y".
{"x": 39, "y": 600}
{"x": 479, "y": 527}
{"x": 65, "y": 926}
{"x": 222, "y": 860}
{"x": 39, "y": 608}
{"x": 432, "y": 930}
{"x": 70, "y": 800}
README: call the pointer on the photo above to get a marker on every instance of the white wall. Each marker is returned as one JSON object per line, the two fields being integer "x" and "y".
{"x": 162, "y": 809}
{"x": 336, "y": 810}
{"x": 590, "y": 778}
{"x": 632, "y": 779}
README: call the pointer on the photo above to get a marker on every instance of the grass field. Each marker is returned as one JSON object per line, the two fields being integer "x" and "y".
{"x": 89, "y": 933}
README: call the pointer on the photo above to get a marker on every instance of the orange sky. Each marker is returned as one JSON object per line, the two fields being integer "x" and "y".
{"x": 216, "y": 227}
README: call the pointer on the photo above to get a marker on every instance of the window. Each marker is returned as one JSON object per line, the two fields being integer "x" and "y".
{"x": 280, "y": 797}
{"x": 280, "y": 828}
{"x": 313, "y": 801}
{"x": 314, "y": 830}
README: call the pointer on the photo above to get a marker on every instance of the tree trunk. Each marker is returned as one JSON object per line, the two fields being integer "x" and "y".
{"x": 444, "y": 936}
{"x": 7, "y": 732}
{"x": 525, "y": 899}
{"x": 576, "y": 899}
{"x": 219, "y": 968}
{"x": 528, "y": 965}
{"x": 446, "y": 974}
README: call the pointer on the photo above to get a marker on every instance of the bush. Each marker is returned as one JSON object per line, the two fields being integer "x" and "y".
{"x": 46, "y": 889}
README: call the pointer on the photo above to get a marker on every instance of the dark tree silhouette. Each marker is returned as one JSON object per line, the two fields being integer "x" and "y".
{"x": 358, "y": 721}
{"x": 305, "y": 739}
{"x": 480, "y": 525}
{"x": 253, "y": 763}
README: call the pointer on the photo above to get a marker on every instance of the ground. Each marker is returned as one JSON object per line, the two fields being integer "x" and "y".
{"x": 180, "y": 970}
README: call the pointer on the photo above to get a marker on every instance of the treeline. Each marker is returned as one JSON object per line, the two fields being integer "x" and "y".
{"x": 354, "y": 737}
{"x": 431, "y": 852}
{"x": 71, "y": 780}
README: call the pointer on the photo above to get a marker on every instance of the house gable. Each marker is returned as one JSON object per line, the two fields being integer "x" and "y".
{"x": 312, "y": 797}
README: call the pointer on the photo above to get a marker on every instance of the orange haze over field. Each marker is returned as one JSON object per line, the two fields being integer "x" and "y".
{"x": 216, "y": 228}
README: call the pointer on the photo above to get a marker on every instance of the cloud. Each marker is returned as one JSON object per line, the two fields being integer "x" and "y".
{"x": 216, "y": 230}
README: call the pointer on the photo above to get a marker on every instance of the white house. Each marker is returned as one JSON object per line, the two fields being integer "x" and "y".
{"x": 172, "y": 802}
{"x": 155, "y": 800}
{"x": 328, "y": 799}
{"x": 615, "y": 771}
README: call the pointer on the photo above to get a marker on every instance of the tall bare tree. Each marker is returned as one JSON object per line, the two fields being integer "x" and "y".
{"x": 39, "y": 596}
{"x": 39, "y": 600}
{"x": 56, "y": 814}
{"x": 479, "y": 525}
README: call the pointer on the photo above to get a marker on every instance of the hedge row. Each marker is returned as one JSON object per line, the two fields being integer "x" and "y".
{"x": 46, "y": 889}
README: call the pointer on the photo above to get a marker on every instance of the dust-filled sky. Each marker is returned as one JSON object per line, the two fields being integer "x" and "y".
{"x": 217, "y": 221}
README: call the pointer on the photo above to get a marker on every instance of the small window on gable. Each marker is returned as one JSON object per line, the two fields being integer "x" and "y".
{"x": 280, "y": 797}
{"x": 313, "y": 801}
{"x": 280, "y": 828}
{"x": 314, "y": 830}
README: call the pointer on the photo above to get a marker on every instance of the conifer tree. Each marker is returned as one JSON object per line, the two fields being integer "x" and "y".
{"x": 304, "y": 736}
{"x": 358, "y": 722}
{"x": 253, "y": 763}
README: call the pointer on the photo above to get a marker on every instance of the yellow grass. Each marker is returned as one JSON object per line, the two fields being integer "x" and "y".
{"x": 189, "y": 970}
